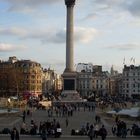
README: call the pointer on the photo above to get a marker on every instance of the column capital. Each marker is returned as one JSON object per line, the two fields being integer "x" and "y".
{"x": 70, "y": 3}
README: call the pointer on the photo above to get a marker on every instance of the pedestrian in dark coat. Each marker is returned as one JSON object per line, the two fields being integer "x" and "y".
{"x": 91, "y": 132}
{"x": 103, "y": 132}
{"x": 23, "y": 116}
{"x": 14, "y": 134}
{"x": 44, "y": 134}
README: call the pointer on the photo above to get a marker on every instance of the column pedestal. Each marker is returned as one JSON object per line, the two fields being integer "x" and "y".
{"x": 69, "y": 93}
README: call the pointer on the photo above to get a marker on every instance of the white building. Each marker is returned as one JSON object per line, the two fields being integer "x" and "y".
{"x": 87, "y": 67}
{"x": 84, "y": 83}
{"x": 131, "y": 81}
{"x": 91, "y": 80}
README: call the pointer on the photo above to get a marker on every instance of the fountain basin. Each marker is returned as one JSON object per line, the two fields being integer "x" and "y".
{"x": 132, "y": 112}
{"x": 8, "y": 112}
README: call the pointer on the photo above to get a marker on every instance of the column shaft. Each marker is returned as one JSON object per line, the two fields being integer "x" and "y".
{"x": 69, "y": 40}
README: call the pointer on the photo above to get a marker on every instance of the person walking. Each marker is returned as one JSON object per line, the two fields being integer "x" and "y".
{"x": 44, "y": 133}
{"x": 114, "y": 129}
{"x": 91, "y": 132}
{"x": 96, "y": 130}
{"x": 103, "y": 132}
{"x": 14, "y": 134}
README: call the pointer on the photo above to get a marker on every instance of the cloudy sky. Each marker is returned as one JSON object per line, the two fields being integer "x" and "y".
{"x": 106, "y": 32}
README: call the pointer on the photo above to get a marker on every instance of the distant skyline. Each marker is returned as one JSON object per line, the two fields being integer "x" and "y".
{"x": 106, "y": 32}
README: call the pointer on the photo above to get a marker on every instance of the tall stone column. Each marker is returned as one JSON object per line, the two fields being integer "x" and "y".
{"x": 69, "y": 93}
{"x": 69, "y": 36}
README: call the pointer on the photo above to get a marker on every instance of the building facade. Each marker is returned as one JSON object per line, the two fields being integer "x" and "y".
{"x": 91, "y": 80}
{"x": 51, "y": 82}
{"x": 20, "y": 77}
{"x": 115, "y": 85}
{"x": 84, "y": 83}
{"x": 131, "y": 81}
{"x": 100, "y": 84}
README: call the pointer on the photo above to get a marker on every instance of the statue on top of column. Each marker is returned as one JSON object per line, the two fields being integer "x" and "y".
{"x": 70, "y": 3}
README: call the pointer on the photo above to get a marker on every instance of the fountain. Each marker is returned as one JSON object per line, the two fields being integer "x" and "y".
{"x": 9, "y": 111}
{"x": 133, "y": 112}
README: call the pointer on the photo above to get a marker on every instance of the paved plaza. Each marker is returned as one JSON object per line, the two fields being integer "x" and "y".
{"x": 78, "y": 119}
{"x": 66, "y": 138}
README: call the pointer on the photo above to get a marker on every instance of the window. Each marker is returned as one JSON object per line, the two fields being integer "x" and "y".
{"x": 127, "y": 85}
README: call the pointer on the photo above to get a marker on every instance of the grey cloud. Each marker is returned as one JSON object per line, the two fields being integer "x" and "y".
{"x": 107, "y": 3}
{"x": 124, "y": 47}
{"x": 19, "y": 5}
{"x": 90, "y": 16}
{"x": 82, "y": 34}
{"x": 133, "y": 6}
{"x": 5, "y": 47}
{"x": 85, "y": 35}
{"x": 58, "y": 37}
{"x": 13, "y": 31}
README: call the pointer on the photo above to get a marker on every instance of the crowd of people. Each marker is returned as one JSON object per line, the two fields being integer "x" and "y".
{"x": 91, "y": 130}
{"x": 64, "y": 110}
{"x": 44, "y": 129}
{"x": 120, "y": 129}
{"x": 51, "y": 127}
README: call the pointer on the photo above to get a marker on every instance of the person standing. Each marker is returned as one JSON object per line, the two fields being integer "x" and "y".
{"x": 23, "y": 116}
{"x": 67, "y": 122}
{"x": 103, "y": 132}
{"x": 14, "y": 134}
{"x": 91, "y": 132}
{"x": 44, "y": 133}
{"x": 96, "y": 130}
{"x": 114, "y": 129}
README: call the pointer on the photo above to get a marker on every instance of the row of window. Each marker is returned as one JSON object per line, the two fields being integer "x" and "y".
{"x": 127, "y": 91}
{"x": 32, "y": 81}
{"x": 27, "y": 65}
{"x": 131, "y": 85}
{"x": 97, "y": 86}
{"x": 132, "y": 74}
{"x": 32, "y": 77}
{"x": 137, "y": 79}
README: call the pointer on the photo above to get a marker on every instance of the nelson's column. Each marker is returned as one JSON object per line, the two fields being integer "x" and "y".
{"x": 69, "y": 75}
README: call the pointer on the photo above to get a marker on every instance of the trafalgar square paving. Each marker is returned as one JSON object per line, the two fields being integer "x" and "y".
{"x": 79, "y": 119}
{"x": 6, "y": 137}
